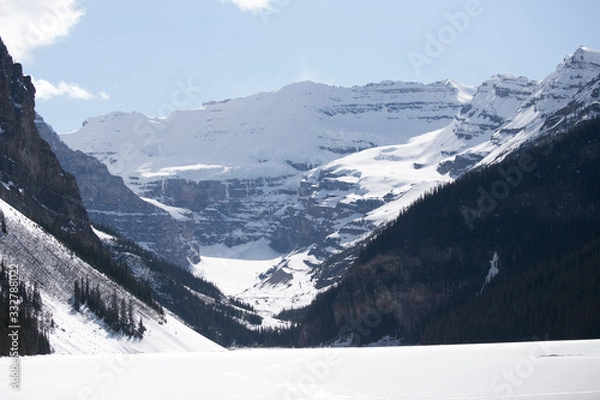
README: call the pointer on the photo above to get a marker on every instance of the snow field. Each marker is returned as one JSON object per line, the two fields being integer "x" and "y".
{"x": 247, "y": 263}
{"x": 45, "y": 261}
{"x": 384, "y": 142}
{"x": 531, "y": 370}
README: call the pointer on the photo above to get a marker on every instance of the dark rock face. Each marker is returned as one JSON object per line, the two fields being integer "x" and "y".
{"x": 232, "y": 212}
{"x": 33, "y": 180}
{"x": 258, "y": 204}
{"x": 433, "y": 261}
{"x": 111, "y": 203}
{"x": 459, "y": 165}
{"x": 312, "y": 219}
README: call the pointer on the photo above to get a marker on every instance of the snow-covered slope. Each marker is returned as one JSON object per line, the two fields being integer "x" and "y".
{"x": 568, "y": 95}
{"x": 44, "y": 261}
{"x": 532, "y": 370}
{"x": 311, "y": 170}
{"x": 268, "y": 134}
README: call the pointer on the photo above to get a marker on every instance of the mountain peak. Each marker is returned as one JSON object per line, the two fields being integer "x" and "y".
{"x": 581, "y": 57}
{"x": 574, "y": 71}
{"x": 465, "y": 92}
{"x": 302, "y": 86}
{"x": 582, "y": 50}
{"x": 311, "y": 168}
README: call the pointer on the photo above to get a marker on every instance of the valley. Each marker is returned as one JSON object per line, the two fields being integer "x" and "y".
{"x": 307, "y": 173}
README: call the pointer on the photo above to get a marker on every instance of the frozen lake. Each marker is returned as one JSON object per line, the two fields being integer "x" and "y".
{"x": 532, "y": 370}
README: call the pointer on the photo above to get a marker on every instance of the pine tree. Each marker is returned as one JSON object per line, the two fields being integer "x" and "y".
{"x": 86, "y": 292}
{"x": 77, "y": 295}
{"x": 113, "y": 312}
{"x": 141, "y": 327}
{"x": 123, "y": 316}
{"x": 3, "y": 222}
{"x": 130, "y": 321}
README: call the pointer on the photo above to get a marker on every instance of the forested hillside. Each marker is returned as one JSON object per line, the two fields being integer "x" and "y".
{"x": 23, "y": 325}
{"x": 554, "y": 298}
{"x": 420, "y": 278}
{"x": 197, "y": 302}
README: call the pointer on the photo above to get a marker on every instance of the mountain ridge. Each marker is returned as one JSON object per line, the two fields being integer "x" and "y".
{"x": 315, "y": 169}
{"x": 106, "y": 198}
{"x": 32, "y": 177}
{"x": 48, "y": 247}
{"x": 420, "y": 278}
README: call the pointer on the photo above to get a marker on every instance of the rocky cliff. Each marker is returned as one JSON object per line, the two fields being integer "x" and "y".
{"x": 508, "y": 273}
{"x": 32, "y": 178}
{"x": 109, "y": 202}
{"x": 313, "y": 170}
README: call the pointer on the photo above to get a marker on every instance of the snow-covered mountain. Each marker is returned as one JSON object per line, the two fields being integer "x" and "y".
{"x": 106, "y": 199}
{"x": 51, "y": 266}
{"x": 48, "y": 245}
{"x": 285, "y": 180}
{"x": 268, "y": 135}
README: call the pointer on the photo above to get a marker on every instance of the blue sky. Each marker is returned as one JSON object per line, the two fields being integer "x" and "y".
{"x": 93, "y": 57}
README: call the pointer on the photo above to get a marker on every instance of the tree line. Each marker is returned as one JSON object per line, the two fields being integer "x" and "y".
{"x": 118, "y": 315}
{"x": 544, "y": 227}
{"x": 33, "y": 325}
{"x": 196, "y": 301}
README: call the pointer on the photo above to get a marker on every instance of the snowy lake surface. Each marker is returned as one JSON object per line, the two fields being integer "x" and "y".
{"x": 531, "y": 370}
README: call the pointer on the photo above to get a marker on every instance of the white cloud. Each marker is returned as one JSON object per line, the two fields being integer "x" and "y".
{"x": 253, "y": 5}
{"x": 45, "y": 90}
{"x": 28, "y": 24}
{"x": 104, "y": 96}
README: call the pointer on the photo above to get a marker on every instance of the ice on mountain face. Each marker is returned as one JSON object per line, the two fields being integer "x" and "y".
{"x": 571, "y": 75}
{"x": 496, "y": 100}
{"x": 263, "y": 279}
{"x": 524, "y": 109}
{"x": 492, "y": 272}
{"x": 235, "y": 169}
{"x": 178, "y": 214}
{"x": 312, "y": 169}
{"x": 266, "y": 135}
{"x": 338, "y": 204}
{"x": 465, "y": 92}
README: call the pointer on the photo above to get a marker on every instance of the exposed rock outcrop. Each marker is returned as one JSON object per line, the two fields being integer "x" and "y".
{"x": 32, "y": 178}
{"x": 110, "y": 202}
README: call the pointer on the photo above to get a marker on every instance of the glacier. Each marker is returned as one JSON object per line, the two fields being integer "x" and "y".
{"x": 310, "y": 171}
